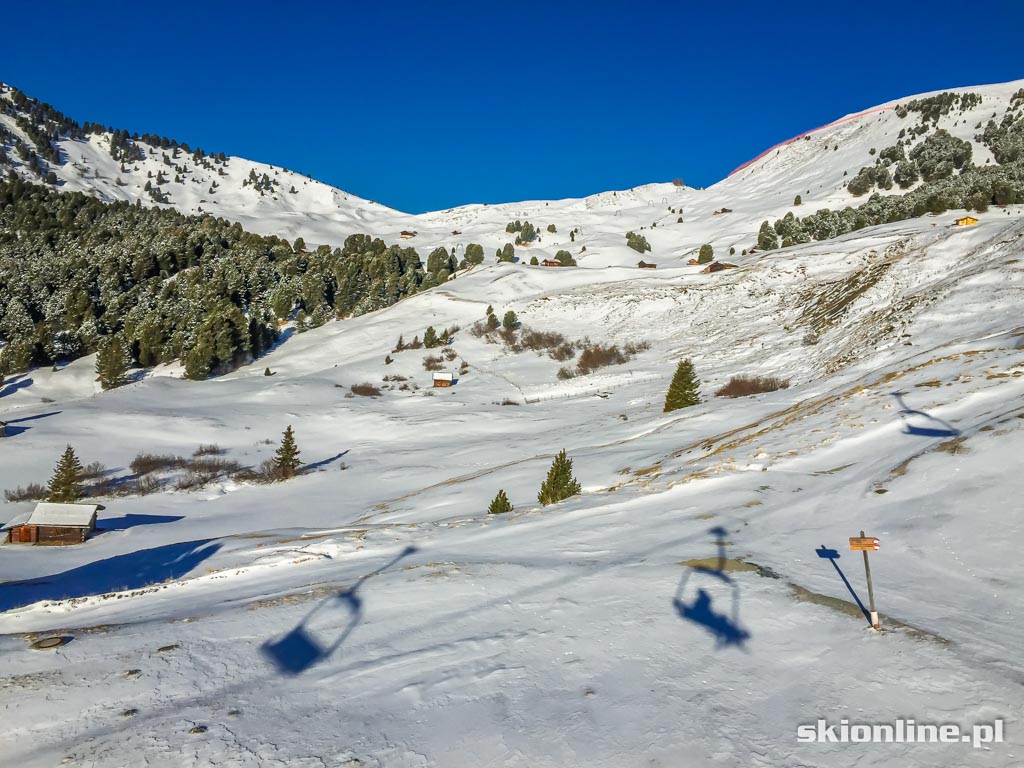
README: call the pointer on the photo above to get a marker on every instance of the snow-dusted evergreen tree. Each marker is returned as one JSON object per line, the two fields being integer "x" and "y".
{"x": 500, "y": 504}
{"x": 684, "y": 390}
{"x": 66, "y": 484}
{"x": 286, "y": 458}
{"x": 112, "y": 362}
{"x": 560, "y": 483}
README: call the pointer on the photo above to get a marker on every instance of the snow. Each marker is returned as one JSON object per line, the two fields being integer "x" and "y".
{"x": 370, "y": 612}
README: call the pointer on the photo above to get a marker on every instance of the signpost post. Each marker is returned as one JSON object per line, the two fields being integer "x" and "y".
{"x": 867, "y": 544}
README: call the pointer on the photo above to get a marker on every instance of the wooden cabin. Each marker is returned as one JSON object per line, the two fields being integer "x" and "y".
{"x": 59, "y": 524}
{"x": 717, "y": 266}
{"x": 406, "y": 234}
{"x": 644, "y": 265}
{"x": 966, "y": 221}
{"x": 550, "y": 263}
{"x": 693, "y": 262}
{"x": 444, "y": 379}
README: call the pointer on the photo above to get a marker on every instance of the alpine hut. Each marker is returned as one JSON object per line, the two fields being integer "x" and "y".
{"x": 53, "y": 524}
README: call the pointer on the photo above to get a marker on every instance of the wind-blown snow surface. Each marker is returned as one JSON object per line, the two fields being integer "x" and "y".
{"x": 375, "y": 615}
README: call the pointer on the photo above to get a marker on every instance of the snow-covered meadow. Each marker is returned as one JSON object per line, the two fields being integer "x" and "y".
{"x": 689, "y": 608}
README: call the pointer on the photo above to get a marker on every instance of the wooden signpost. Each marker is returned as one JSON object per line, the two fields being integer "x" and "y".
{"x": 867, "y": 544}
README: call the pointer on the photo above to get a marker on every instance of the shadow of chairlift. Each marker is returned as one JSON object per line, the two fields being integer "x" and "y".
{"x": 725, "y": 628}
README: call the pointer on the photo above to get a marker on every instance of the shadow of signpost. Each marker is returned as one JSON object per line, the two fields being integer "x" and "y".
{"x": 300, "y": 648}
{"x": 832, "y": 555}
{"x": 724, "y": 627}
{"x": 933, "y": 427}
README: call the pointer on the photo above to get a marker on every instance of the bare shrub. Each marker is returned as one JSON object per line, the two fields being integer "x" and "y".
{"x": 742, "y": 386}
{"x": 508, "y": 401}
{"x": 192, "y": 480}
{"x": 213, "y": 465}
{"x": 508, "y": 335}
{"x": 566, "y": 373}
{"x": 562, "y": 352}
{"x": 145, "y": 463}
{"x": 597, "y": 356}
{"x": 396, "y": 377}
{"x": 146, "y": 485}
{"x": 634, "y": 348}
{"x": 92, "y": 471}
{"x": 432, "y": 363}
{"x": 539, "y": 340}
{"x": 31, "y": 492}
{"x": 208, "y": 450}
{"x": 479, "y": 328}
{"x": 450, "y": 354}
{"x": 366, "y": 389}
{"x": 810, "y": 339}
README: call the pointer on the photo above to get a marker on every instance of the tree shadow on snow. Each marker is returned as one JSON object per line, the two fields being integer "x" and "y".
{"x": 14, "y": 384}
{"x": 322, "y": 463}
{"x": 301, "y": 648}
{"x": 922, "y": 424}
{"x": 134, "y": 570}
{"x": 724, "y": 627}
{"x": 132, "y": 520}
{"x": 14, "y": 426}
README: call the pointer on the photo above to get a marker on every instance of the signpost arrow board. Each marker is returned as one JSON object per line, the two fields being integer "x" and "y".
{"x": 867, "y": 544}
{"x": 863, "y": 543}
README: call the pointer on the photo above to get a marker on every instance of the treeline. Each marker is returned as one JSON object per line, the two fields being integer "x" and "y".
{"x": 942, "y": 163}
{"x": 76, "y": 274}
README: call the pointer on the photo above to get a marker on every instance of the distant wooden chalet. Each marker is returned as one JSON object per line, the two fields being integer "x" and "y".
{"x": 693, "y": 262}
{"x": 53, "y": 524}
{"x": 966, "y": 221}
{"x": 720, "y": 211}
{"x": 644, "y": 265}
{"x": 717, "y": 266}
{"x": 456, "y": 232}
{"x": 550, "y": 263}
{"x": 405, "y": 234}
{"x": 443, "y": 379}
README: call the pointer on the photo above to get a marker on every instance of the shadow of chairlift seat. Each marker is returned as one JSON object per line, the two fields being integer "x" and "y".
{"x": 725, "y": 628}
{"x": 300, "y": 649}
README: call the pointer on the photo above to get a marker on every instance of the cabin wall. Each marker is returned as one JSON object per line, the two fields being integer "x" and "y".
{"x": 60, "y": 535}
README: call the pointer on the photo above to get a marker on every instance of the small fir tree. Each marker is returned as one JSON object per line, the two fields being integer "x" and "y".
{"x": 492, "y": 323}
{"x": 560, "y": 483}
{"x": 509, "y": 321}
{"x": 286, "y": 459}
{"x": 706, "y": 254}
{"x": 684, "y": 390}
{"x": 500, "y": 504}
{"x": 112, "y": 363}
{"x": 430, "y": 338}
{"x": 66, "y": 484}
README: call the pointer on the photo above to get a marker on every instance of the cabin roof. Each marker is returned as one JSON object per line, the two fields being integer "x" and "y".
{"x": 443, "y": 377}
{"x": 64, "y": 515}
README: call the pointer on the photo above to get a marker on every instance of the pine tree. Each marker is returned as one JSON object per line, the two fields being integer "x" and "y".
{"x": 706, "y": 254}
{"x": 112, "y": 363}
{"x": 286, "y": 459}
{"x": 492, "y": 323}
{"x": 560, "y": 483}
{"x": 798, "y": 200}
{"x": 500, "y": 504}
{"x": 66, "y": 485}
{"x": 430, "y": 338}
{"x": 509, "y": 320}
{"x": 684, "y": 390}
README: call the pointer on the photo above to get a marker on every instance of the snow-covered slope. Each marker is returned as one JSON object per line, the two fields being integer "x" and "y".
{"x": 371, "y": 613}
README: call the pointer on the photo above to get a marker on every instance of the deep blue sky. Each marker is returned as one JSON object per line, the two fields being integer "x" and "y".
{"x": 425, "y": 105}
